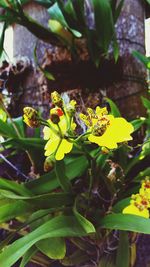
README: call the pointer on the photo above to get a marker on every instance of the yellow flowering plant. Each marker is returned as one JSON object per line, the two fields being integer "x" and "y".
{"x": 85, "y": 186}
{"x": 102, "y": 128}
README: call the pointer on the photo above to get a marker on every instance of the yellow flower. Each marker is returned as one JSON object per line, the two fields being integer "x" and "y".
{"x": 106, "y": 130}
{"x": 139, "y": 205}
{"x": 132, "y": 209}
{"x": 57, "y": 144}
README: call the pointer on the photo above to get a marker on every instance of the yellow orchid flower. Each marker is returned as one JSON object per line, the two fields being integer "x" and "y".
{"x": 106, "y": 130}
{"x": 57, "y": 143}
{"x": 132, "y": 209}
{"x": 139, "y": 205}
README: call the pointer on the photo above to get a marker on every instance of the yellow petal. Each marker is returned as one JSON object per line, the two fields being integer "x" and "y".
{"x": 132, "y": 209}
{"x": 101, "y": 111}
{"x": 118, "y": 131}
{"x": 46, "y": 132}
{"x": 103, "y": 141}
{"x": 64, "y": 148}
{"x": 51, "y": 146}
{"x": 63, "y": 124}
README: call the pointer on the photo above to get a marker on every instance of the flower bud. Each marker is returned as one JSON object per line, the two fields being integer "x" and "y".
{"x": 55, "y": 114}
{"x": 49, "y": 163}
{"x": 70, "y": 108}
{"x": 31, "y": 117}
{"x": 105, "y": 150}
{"x": 57, "y": 99}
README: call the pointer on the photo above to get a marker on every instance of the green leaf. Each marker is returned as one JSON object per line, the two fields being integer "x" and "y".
{"x": 117, "y": 10}
{"x": 101, "y": 160}
{"x": 79, "y": 10}
{"x": 56, "y": 14}
{"x": 126, "y": 222}
{"x": 48, "y": 182}
{"x": 69, "y": 14}
{"x": 14, "y": 187}
{"x": 142, "y": 174}
{"x": 63, "y": 14}
{"x": 60, "y": 171}
{"x": 3, "y": 115}
{"x": 46, "y": 73}
{"x": 6, "y": 130}
{"x": 50, "y": 200}
{"x": 28, "y": 255}
{"x": 103, "y": 23}
{"x": 19, "y": 124}
{"x": 114, "y": 109}
{"x": 119, "y": 206}
{"x": 35, "y": 216}
{"x": 123, "y": 250}
{"x": 61, "y": 226}
{"x": 2, "y": 37}
{"x": 145, "y": 60}
{"x": 138, "y": 123}
{"x": 115, "y": 47}
{"x": 54, "y": 248}
{"x": 26, "y": 143}
{"x": 94, "y": 50}
{"x": 83, "y": 221}
{"x": 146, "y": 102}
{"x": 4, "y": 3}
{"x": 13, "y": 210}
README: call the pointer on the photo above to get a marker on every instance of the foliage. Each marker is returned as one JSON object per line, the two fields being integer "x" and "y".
{"x": 145, "y": 60}
{"x": 69, "y": 201}
{"x": 69, "y": 21}
{"x": 148, "y": 1}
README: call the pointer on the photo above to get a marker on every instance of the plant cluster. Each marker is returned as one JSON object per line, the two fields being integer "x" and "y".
{"x": 88, "y": 190}
{"x": 89, "y": 186}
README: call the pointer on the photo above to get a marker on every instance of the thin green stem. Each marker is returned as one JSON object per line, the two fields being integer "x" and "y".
{"x": 83, "y": 135}
{"x": 60, "y": 131}
{"x": 57, "y": 147}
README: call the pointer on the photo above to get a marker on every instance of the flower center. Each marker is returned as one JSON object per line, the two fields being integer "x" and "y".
{"x": 141, "y": 203}
{"x": 101, "y": 126}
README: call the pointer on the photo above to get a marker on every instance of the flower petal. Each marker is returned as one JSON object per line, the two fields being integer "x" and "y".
{"x": 64, "y": 148}
{"x": 47, "y": 133}
{"x": 51, "y": 146}
{"x": 103, "y": 141}
{"x": 132, "y": 209}
{"x": 118, "y": 131}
